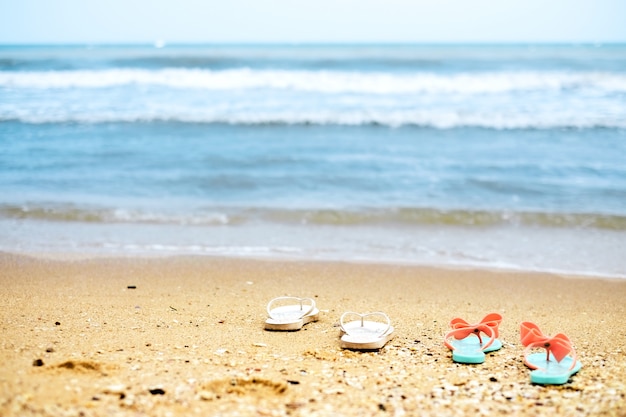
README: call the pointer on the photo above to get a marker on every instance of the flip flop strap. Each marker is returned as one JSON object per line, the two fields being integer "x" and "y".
{"x": 299, "y": 300}
{"x": 542, "y": 344}
{"x": 362, "y": 316}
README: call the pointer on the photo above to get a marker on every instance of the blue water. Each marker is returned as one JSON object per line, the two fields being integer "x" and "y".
{"x": 489, "y": 156}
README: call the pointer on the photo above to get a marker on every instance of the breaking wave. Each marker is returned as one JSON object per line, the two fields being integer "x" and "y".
{"x": 320, "y": 81}
{"x": 407, "y": 216}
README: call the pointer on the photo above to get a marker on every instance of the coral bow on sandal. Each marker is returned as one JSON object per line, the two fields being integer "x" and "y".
{"x": 557, "y": 364}
{"x": 467, "y": 342}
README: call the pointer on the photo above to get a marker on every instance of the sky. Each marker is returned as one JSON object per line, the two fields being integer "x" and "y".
{"x": 319, "y": 21}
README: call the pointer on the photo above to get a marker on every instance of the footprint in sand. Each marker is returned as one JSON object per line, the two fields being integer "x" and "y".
{"x": 81, "y": 367}
{"x": 255, "y": 387}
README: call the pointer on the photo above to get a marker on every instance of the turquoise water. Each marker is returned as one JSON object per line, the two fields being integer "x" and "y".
{"x": 490, "y": 156}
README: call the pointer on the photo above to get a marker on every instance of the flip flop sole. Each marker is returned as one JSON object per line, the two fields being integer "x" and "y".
{"x": 469, "y": 350}
{"x": 284, "y": 324}
{"x": 551, "y": 372}
{"x": 348, "y": 343}
{"x": 367, "y": 337}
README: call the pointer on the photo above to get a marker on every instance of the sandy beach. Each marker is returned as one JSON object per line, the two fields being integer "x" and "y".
{"x": 184, "y": 336}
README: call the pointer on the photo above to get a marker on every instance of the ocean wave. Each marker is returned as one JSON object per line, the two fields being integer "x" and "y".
{"x": 322, "y": 81}
{"x": 406, "y": 216}
{"x": 443, "y": 119}
{"x": 73, "y": 213}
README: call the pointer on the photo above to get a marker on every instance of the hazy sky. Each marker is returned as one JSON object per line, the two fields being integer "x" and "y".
{"x": 115, "y": 21}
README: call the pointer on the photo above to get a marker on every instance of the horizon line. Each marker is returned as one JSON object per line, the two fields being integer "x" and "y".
{"x": 164, "y": 44}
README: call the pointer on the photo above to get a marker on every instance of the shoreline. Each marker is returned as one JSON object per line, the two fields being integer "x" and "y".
{"x": 559, "y": 251}
{"x": 101, "y": 255}
{"x": 189, "y": 339}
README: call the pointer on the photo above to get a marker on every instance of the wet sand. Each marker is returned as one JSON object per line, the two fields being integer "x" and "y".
{"x": 184, "y": 336}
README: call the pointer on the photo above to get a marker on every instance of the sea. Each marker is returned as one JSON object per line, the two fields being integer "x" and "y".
{"x": 465, "y": 156}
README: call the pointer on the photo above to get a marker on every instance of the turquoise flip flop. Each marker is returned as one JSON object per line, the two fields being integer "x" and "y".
{"x": 551, "y": 371}
{"x": 557, "y": 364}
{"x": 471, "y": 350}
{"x": 468, "y": 342}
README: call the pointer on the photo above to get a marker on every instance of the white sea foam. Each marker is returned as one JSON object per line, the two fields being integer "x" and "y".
{"x": 500, "y": 100}
{"x": 138, "y": 216}
{"x": 320, "y": 81}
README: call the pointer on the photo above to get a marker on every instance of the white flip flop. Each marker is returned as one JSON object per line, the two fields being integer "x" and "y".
{"x": 364, "y": 334}
{"x": 285, "y": 315}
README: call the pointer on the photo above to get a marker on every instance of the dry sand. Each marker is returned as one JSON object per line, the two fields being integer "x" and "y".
{"x": 189, "y": 340}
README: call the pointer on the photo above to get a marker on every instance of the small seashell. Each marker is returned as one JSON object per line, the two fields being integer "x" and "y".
{"x": 115, "y": 389}
{"x": 207, "y": 395}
